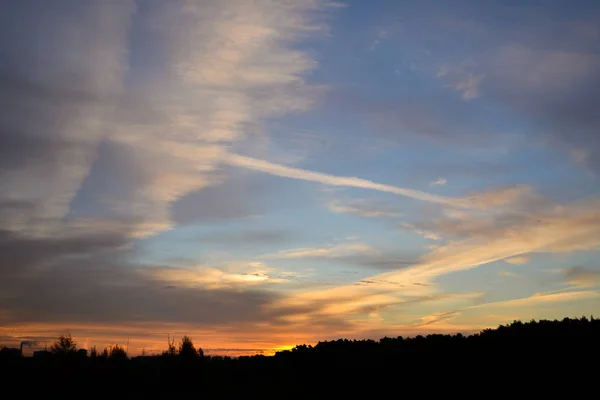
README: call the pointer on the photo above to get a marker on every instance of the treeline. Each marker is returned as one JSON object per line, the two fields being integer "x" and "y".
{"x": 534, "y": 336}
{"x": 563, "y": 351}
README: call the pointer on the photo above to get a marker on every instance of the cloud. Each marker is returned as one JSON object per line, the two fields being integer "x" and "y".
{"x": 469, "y": 86}
{"x": 245, "y": 56}
{"x": 516, "y": 195}
{"x": 381, "y": 262}
{"x": 349, "y": 254}
{"x": 518, "y": 260}
{"x": 239, "y": 196}
{"x": 366, "y": 208}
{"x": 86, "y": 277}
{"x": 553, "y": 86}
{"x": 73, "y": 121}
{"x": 462, "y": 79}
{"x": 581, "y": 277}
{"x": 439, "y": 181}
{"x": 241, "y": 276}
{"x": 426, "y": 234}
{"x": 103, "y": 141}
{"x": 508, "y": 274}
{"x": 87, "y": 283}
{"x": 547, "y": 70}
{"x": 230, "y": 65}
{"x": 489, "y": 314}
{"x": 302, "y": 174}
{"x": 334, "y": 251}
{"x": 363, "y": 300}
{"x": 382, "y": 33}
{"x": 248, "y": 237}
{"x": 60, "y": 81}
{"x": 493, "y": 213}
{"x": 568, "y": 229}
{"x": 562, "y": 229}
{"x": 438, "y": 318}
{"x": 540, "y": 298}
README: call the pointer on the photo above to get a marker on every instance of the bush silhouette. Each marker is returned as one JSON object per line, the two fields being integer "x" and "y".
{"x": 116, "y": 353}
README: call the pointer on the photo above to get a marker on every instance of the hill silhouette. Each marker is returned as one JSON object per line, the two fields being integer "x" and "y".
{"x": 539, "y": 355}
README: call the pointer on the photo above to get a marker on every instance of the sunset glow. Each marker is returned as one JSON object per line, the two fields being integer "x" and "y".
{"x": 257, "y": 174}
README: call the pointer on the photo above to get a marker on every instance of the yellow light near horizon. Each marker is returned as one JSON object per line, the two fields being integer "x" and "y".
{"x": 279, "y": 348}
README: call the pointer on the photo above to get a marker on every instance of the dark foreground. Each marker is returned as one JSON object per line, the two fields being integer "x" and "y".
{"x": 545, "y": 358}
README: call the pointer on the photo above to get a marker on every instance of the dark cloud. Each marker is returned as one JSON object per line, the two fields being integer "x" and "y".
{"x": 31, "y": 113}
{"x": 42, "y": 84}
{"x": 24, "y": 256}
{"x": 582, "y": 276}
{"x": 241, "y": 195}
{"x": 87, "y": 279}
{"x": 61, "y": 70}
{"x": 237, "y": 197}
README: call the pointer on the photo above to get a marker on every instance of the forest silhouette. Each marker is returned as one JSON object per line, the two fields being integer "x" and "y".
{"x": 536, "y": 354}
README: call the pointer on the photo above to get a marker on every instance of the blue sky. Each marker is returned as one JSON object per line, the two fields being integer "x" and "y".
{"x": 258, "y": 174}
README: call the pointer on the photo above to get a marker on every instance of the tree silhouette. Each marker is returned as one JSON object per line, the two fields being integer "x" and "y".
{"x": 171, "y": 350}
{"x": 65, "y": 344}
{"x": 186, "y": 348}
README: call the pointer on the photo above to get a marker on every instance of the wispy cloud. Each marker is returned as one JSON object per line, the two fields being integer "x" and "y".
{"x": 469, "y": 86}
{"x": 382, "y": 34}
{"x": 509, "y": 274}
{"x": 439, "y": 181}
{"x": 244, "y": 275}
{"x": 570, "y": 228}
{"x": 425, "y": 233}
{"x": 363, "y": 208}
{"x": 518, "y": 260}
{"x": 333, "y": 251}
{"x": 489, "y": 314}
{"x": 546, "y": 69}
{"x": 333, "y": 180}
{"x": 462, "y": 79}
{"x": 581, "y": 277}
{"x": 437, "y": 318}
{"x": 541, "y": 298}
{"x": 231, "y": 64}
{"x": 247, "y": 237}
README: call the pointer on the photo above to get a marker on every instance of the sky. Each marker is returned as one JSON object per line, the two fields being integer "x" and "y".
{"x": 258, "y": 174}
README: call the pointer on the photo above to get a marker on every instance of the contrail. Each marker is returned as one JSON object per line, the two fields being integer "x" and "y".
{"x": 306, "y": 175}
